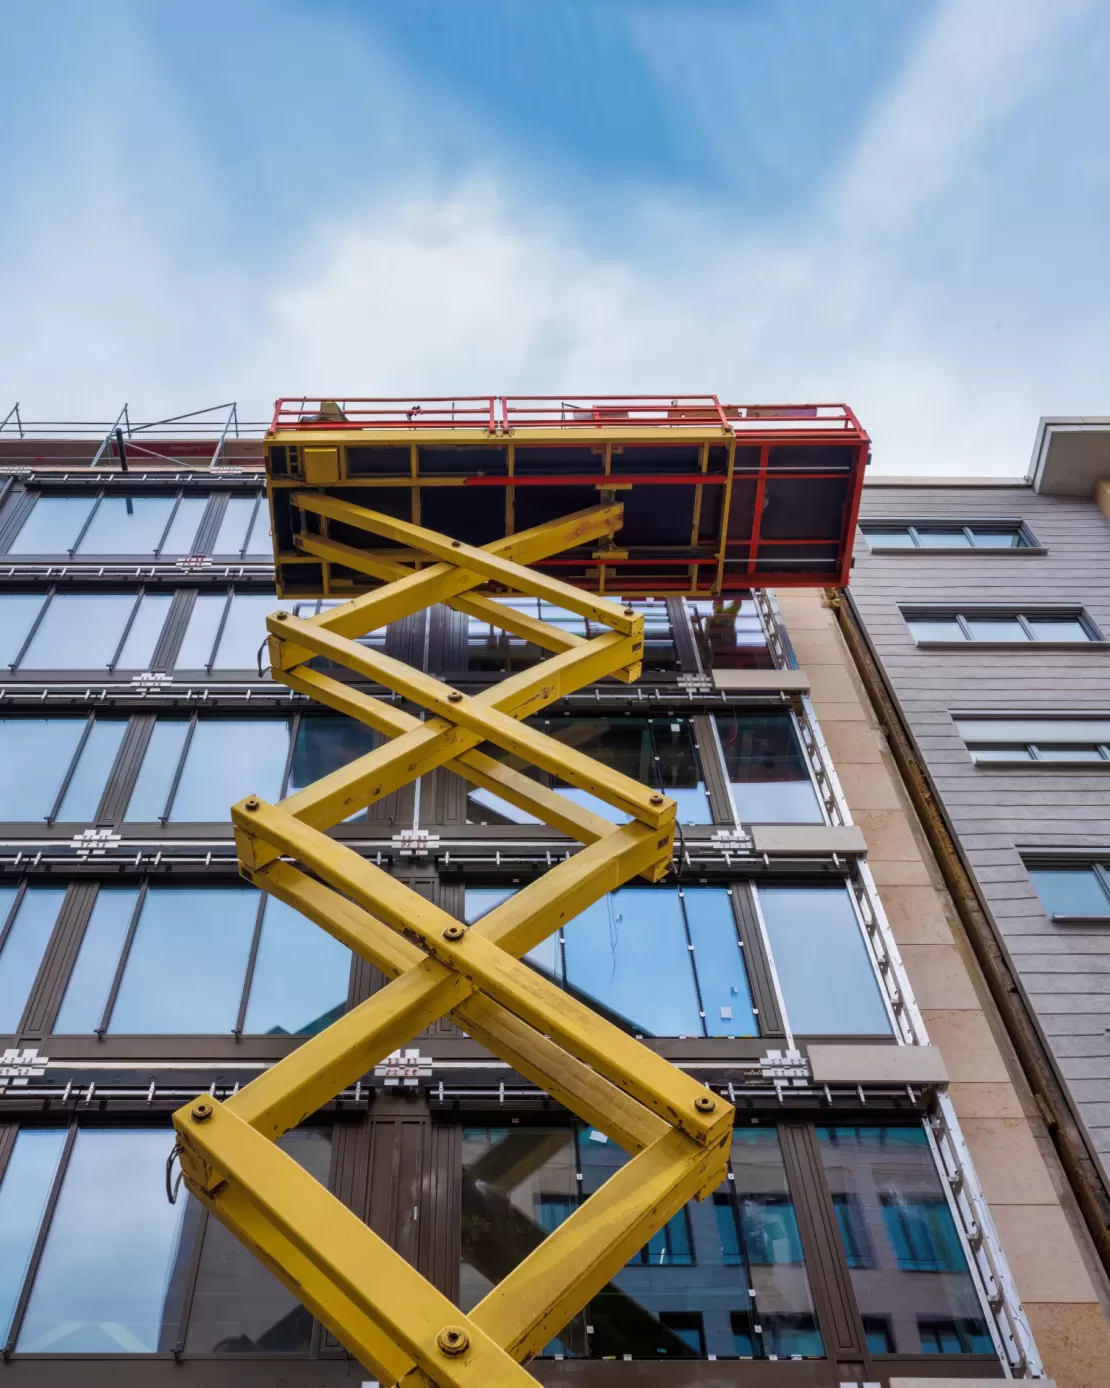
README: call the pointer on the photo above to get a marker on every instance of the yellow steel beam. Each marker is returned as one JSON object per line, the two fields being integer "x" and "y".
{"x": 470, "y": 557}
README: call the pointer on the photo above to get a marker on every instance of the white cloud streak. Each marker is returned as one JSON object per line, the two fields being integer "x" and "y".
{"x": 461, "y": 290}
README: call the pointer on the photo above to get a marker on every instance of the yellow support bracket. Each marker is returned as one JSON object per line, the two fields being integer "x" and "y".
{"x": 389, "y": 1317}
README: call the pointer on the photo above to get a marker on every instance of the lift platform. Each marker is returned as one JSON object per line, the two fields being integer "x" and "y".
{"x": 717, "y": 498}
{"x": 343, "y": 516}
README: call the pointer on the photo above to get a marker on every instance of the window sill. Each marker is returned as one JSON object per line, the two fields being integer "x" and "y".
{"x": 1064, "y": 765}
{"x": 1079, "y": 920}
{"x": 1013, "y": 645}
{"x": 953, "y": 550}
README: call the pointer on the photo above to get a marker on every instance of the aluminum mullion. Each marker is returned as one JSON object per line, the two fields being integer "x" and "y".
{"x": 1103, "y": 878}
{"x": 294, "y": 725}
{"x": 35, "y": 1259}
{"x": 61, "y": 795}
{"x": 172, "y": 793}
{"x": 249, "y": 531}
{"x": 13, "y": 911}
{"x": 961, "y": 622}
{"x": 248, "y": 976}
{"x": 167, "y": 526}
{"x": 88, "y": 521}
{"x": 121, "y": 965}
{"x": 690, "y": 956}
{"x": 139, "y": 593}
{"x": 32, "y": 631}
{"x": 915, "y": 537}
{"x": 970, "y": 537}
{"x": 219, "y": 631}
{"x": 776, "y": 986}
{"x": 1025, "y": 626}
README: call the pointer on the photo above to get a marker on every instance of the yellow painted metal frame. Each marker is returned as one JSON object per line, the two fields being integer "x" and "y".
{"x": 388, "y": 1316}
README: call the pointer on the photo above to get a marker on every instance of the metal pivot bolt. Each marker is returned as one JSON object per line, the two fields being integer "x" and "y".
{"x": 456, "y": 544}
{"x": 201, "y": 1111}
{"x": 630, "y": 612}
{"x": 705, "y": 1104}
{"x": 656, "y": 799}
{"x": 252, "y": 803}
{"x": 281, "y": 616}
{"x": 454, "y": 697}
{"x": 454, "y": 932}
{"x": 452, "y": 1339}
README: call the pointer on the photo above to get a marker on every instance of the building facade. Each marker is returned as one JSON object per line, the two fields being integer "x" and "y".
{"x": 894, "y": 1212}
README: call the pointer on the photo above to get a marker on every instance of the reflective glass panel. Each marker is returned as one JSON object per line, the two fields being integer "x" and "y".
{"x": 259, "y": 544}
{"x": 53, "y": 525}
{"x": 35, "y": 754}
{"x": 1065, "y": 753}
{"x": 943, "y": 539}
{"x": 232, "y": 534}
{"x": 127, "y": 525}
{"x": 239, "y": 1306}
{"x": 785, "y": 1321}
{"x": 767, "y": 770}
{"x": 719, "y": 963}
{"x": 825, "y": 972}
{"x": 888, "y": 539}
{"x": 1059, "y": 629}
{"x": 17, "y": 612}
{"x": 152, "y": 786}
{"x": 90, "y": 981}
{"x": 324, "y": 745}
{"x": 90, "y": 776}
{"x": 627, "y": 954}
{"x": 24, "y": 1191}
{"x": 730, "y": 633}
{"x": 999, "y": 539}
{"x": 907, "y": 1265}
{"x": 245, "y": 631}
{"x": 300, "y": 979}
{"x": 935, "y": 629}
{"x": 182, "y": 534}
{"x": 146, "y": 628}
{"x": 547, "y": 955}
{"x": 22, "y": 952}
{"x": 996, "y": 629}
{"x": 102, "y": 1286}
{"x": 228, "y": 759}
{"x": 1070, "y": 891}
{"x": 79, "y": 631}
{"x": 1001, "y": 753}
{"x": 184, "y": 973}
{"x": 199, "y": 640}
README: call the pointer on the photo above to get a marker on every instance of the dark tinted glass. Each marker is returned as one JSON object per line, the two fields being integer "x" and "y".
{"x": 907, "y": 1263}
{"x": 323, "y": 745}
{"x": 767, "y": 770}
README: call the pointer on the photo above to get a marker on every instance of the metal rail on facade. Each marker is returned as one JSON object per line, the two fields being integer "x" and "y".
{"x": 676, "y": 1129}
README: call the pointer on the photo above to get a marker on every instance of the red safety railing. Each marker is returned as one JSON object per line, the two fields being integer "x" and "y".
{"x": 508, "y": 414}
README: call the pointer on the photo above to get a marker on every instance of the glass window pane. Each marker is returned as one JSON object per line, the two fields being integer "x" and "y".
{"x": 1001, "y": 753}
{"x": 232, "y": 534}
{"x": 184, "y": 973}
{"x": 827, "y": 979}
{"x": 907, "y": 1264}
{"x": 719, "y": 963}
{"x": 996, "y": 629}
{"x": 142, "y": 638}
{"x": 730, "y": 633}
{"x": 79, "y": 631}
{"x": 259, "y": 545}
{"x": 90, "y": 982}
{"x": 767, "y": 771}
{"x": 998, "y": 539}
{"x": 547, "y": 956}
{"x": 627, "y": 954}
{"x": 1068, "y": 753}
{"x": 323, "y": 745}
{"x": 935, "y": 629}
{"x": 90, "y": 776}
{"x": 300, "y": 976}
{"x": 888, "y": 539}
{"x": 245, "y": 631}
{"x": 943, "y": 539}
{"x": 127, "y": 525}
{"x": 152, "y": 786}
{"x": 239, "y": 1306}
{"x": 1039, "y": 730}
{"x": 227, "y": 760}
{"x": 53, "y": 525}
{"x": 773, "y": 1247}
{"x": 1059, "y": 629}
{"x": 1070, "y": 891}
{"x": 17, "y": 612}
{"x": 181, "y": 538}
{"x": 107, "y": 1268}
{"x": 200, "y": 634}
{"x": 23, "y": 951}
{"x": 24, "y": 1192}
{"x": 35, "y": 754}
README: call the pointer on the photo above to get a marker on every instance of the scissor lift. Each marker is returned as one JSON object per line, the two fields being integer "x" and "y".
{"x": 346, "y": 523}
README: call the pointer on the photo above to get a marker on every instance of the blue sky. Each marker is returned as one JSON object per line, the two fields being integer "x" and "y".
{"x": 901, "y": 203}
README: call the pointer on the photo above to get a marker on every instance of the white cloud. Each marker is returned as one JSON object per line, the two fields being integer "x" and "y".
{"x": 473, "y": 289}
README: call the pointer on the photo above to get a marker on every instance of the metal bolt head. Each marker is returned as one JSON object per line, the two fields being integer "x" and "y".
{"x": 454, "y": 932}
{"x": 454, "y": 697}
{"x": 252, "y": 803}
{"x": 705, "y": 1104}
{"x": 201, "y": 1111}
{"x": 452, "y": 1340}
{"x": 656, "y": 800}
{"x": 630, "y": 612}
{"x": 281, "y": 616}
{"x": 456, "y": 544}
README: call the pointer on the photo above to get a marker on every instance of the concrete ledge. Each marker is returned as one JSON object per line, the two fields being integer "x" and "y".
{"x": 795, "y": 839}
{"x": 863, "y": 1064}
{"x": 761, "y": 681}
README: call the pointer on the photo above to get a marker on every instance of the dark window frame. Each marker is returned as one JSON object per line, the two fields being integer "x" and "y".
{"x": 1097, "y": 866}
{"x": 1021, "y": 612}
{"x": 1028, "y": 544}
